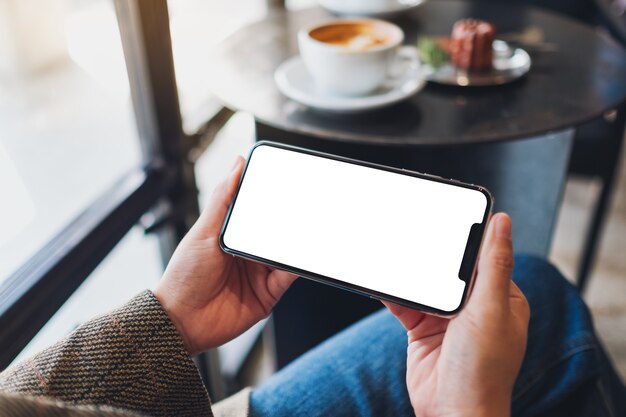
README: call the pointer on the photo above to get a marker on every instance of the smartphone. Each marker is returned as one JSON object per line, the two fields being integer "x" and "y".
{"x": 383, "y": 232}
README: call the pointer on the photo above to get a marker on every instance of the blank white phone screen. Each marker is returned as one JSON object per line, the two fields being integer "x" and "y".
{"x": 392, "y": 233}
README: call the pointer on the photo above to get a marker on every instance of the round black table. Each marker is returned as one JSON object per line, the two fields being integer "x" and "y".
{"x": 455, "y": 132}
{"x": 581, "y": 77}
{"x": 463, "y": 133}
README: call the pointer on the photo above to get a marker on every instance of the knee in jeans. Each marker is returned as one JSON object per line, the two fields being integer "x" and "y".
{"x": 543, "y": 284}
{"x": 535, "y": 269}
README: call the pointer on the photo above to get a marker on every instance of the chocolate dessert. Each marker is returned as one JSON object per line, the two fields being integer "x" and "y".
{"x": 471, "y": 44}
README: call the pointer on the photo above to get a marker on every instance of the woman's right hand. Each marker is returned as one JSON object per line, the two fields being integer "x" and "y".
{"x": 466, "y": 366}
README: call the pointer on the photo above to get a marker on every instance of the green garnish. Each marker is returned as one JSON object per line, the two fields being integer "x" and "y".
{"x": 431, "y": 53}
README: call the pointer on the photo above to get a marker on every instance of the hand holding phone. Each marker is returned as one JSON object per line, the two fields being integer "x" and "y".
{"x": 210, "y": 296}
{"x": 468, "y": 365}
{"x": 386, "y": 233}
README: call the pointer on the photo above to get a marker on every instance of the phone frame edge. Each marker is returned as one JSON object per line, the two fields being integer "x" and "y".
{"x": 342, "y": 284}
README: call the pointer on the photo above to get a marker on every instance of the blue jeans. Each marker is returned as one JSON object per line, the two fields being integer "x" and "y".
{"x": 361, "y": 371}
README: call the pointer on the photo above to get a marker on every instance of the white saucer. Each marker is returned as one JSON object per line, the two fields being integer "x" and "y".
{"x": 295, "y": 82}
{"x": 369, "y": 9}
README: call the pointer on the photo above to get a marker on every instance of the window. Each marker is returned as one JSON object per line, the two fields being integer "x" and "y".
{"x": 67, "y": 130}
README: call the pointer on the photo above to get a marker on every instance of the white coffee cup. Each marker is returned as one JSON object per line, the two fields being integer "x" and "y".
{"x": 352, "y": 57}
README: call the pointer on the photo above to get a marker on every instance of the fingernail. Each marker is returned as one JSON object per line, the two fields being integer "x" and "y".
{"x": 503, "y": 226}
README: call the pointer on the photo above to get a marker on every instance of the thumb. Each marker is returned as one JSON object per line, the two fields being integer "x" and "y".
{"x": 495, "y": 265}
{"x": 212, "y": 217}
{"x": 408, "y": 317}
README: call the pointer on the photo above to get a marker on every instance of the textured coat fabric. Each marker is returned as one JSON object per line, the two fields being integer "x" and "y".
{"x": 129, "y": 362}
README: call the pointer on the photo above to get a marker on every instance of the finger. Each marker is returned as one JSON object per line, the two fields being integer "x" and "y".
{"x": 407, "y": 316}
{"x": 495, "y": 265}
{"x": 278, "y": 282}
{"x": 213, "y": 215}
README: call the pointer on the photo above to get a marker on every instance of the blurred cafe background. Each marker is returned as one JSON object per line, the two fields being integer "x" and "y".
{"x": 118, "y": 117}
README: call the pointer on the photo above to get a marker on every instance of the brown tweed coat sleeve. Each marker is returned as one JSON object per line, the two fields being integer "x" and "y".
{"x": 131, "y": 359}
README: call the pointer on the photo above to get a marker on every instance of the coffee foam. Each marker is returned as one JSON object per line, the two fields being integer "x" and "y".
{"x": 357, "y": 36}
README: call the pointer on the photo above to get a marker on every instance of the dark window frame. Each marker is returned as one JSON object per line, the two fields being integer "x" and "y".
{"x": 165, "y": 185}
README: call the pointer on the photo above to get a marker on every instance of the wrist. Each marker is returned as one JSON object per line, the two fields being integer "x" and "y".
{"x": 496, "y": 407}
{"x": 489, "y": 410}
{"x": 178, "y": 324}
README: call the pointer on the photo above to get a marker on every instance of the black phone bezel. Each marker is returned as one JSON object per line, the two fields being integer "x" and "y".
{"x": 344, "y": 285}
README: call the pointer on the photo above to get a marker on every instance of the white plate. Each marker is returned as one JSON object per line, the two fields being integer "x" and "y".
{"x": 509, "y": 64}
{"x": 369, "y": 8}
{"x": 295, "y": 82}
